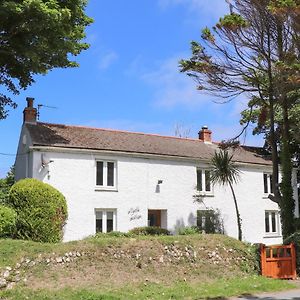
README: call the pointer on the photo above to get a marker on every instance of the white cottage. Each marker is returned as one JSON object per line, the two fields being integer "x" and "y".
{"x": 118, "y": 180}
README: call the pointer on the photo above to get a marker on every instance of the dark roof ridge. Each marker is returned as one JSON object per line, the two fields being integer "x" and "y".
{"x": 123, "y": 131}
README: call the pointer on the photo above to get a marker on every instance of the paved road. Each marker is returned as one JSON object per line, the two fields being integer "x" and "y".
{"x": 287, "y": 295}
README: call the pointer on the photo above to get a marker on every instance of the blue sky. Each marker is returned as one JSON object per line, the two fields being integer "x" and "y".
{"x": 129, "y": 78}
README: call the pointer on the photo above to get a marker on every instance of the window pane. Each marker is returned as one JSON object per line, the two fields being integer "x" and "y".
{"x": 199, "y": 180}
{"x": 265, "y": 183}
{"x": 109, "y": 221}
{"x": 271, "y": 183}
{"x": 99, "y": 176}
{"x": 206, "y": 221}
{"x": 99, "y": 215}
{"x": 273, "y": 222}
{"x": 110, "y": 174}
{"x": 267, "y": 222}
{"x": 200, "y": 219}
{"x": 98, "y": 225}
{"x": 209, "y": 224}
{"x": 109, "y": 215}
{"x": 207, "y": 181}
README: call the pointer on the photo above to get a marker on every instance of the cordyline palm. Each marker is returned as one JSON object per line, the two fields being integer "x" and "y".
{"x": 225, "y": 172}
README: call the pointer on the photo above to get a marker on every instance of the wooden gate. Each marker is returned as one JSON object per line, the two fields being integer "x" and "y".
{"x": 278, "y": 261}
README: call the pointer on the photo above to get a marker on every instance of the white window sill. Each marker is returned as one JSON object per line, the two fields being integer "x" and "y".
{"x": 206, "y": 194}
{"x": 274, "y": 235}
{"x": 106, "y": 188}
{"x": 266, "y": 196}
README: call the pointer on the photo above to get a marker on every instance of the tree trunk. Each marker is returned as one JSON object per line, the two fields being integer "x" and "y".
{"x": 275, "y": 158}
{"x": 287, "y": 204}
{"x": 239, "y": 222}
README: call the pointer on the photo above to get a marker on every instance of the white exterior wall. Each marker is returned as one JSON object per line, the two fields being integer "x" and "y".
{"x": 23, "y": 163}
{"x": 74, "y": 174}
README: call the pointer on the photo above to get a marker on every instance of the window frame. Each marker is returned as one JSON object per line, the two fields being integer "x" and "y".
{"x": 209, "y": 221}
{"x": 267, "y": 179}
{"x": 272, "y": 233}
{"x": 105, "y": 186}
{"x": 203, "y": 190}
{"x": 104, "y": 212}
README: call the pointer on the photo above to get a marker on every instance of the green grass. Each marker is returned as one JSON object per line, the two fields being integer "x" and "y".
{"x": 13, "y": 250}
{"x": 177, "y": 280}
{"x": 179, "y": 290}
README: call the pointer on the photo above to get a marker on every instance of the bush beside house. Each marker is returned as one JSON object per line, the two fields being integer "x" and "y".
{"x": 41, "y": 210}
{"x": 295, "y": 238}
{"x": 7, "y": 221}
{"x": 149, "y": 230}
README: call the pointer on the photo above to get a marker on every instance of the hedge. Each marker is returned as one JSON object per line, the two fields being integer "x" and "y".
{"x": 295, "y": 238}
{"x": 41, "y": 211}
{"x": 149, "y": 230}
{"x": 7, "y": 221}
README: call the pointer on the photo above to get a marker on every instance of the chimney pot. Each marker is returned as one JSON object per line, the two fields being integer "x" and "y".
{"x": 29, "y": 102}
{"x": 30, "y": 112}
{"x": 205, "y": 134}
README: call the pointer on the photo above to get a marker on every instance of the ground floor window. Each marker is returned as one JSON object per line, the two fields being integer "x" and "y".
{"x": 271, "y": 222}
{"x": 105, "y": 220}
{"x": 210, "y": 221}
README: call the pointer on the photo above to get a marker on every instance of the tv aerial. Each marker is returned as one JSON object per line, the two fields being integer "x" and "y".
{"x": 39, "y": 106}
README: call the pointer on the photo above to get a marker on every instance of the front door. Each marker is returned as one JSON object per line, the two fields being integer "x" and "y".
{"x": 154, "y": 217}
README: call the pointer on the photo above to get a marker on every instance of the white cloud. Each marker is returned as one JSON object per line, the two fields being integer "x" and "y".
{"x": 225, "y": 132}
{"x": 173, "y": 88}
{"x": 135, "y": 67}
{"x": 108, "y": 59}
{"x": 204, "y": 8}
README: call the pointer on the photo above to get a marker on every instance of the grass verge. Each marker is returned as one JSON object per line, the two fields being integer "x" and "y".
{"x": 220, "y": 289}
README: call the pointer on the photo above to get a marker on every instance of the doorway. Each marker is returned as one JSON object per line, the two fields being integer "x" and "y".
{"x": 154, "y": 217}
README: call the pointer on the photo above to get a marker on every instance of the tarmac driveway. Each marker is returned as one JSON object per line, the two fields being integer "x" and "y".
{"x": 286, "y": 295}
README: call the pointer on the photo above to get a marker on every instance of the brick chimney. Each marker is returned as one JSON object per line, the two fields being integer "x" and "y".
{"x": 29, "y": 113}
{"x": 205, "y": 134}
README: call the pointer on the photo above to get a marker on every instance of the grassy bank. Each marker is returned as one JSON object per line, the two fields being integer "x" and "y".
{"x": 180, "y": 290}
{"x": 166, "y": 267}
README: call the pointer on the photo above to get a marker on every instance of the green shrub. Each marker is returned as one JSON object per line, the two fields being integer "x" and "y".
{"x": 7, "y": 221}
{"x": 41, "y": 210}
{"x": 149, "y": 230}
{"x": 112, "y": 234}
{"x": 297, "y": 224}
{"x": 189, "y": 230}
{"x": 295, "y": 238}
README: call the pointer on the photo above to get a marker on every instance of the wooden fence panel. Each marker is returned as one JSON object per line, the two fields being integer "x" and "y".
{"x": 278, "y": 261}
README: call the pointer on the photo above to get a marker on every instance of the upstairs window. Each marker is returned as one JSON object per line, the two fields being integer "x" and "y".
{"x": 203, "y": 181}
{"x": 268, "y": 186}
{"x": 106, "y": 174}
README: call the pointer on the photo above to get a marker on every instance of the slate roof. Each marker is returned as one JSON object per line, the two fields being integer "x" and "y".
{"x": 78, "y": 137}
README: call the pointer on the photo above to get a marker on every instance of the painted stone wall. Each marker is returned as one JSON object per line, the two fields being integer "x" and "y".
{"x": 137, "y": 191}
